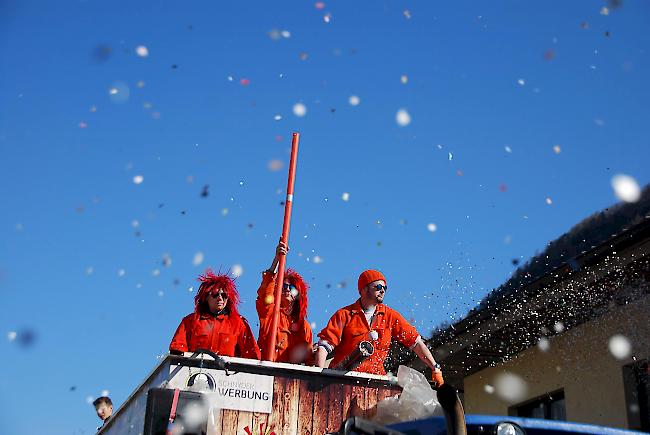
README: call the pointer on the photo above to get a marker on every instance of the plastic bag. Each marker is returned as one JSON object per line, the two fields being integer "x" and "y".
{"x": 417, "y": 400}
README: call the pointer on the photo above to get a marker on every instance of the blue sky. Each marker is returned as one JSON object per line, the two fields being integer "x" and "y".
{"x": 491, "y": 89}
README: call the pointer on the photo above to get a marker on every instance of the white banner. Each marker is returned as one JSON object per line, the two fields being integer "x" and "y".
{"x": 243, "y": 392}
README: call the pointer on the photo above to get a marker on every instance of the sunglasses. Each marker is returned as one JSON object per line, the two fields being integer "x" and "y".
{"x": 380, "y": 287}
{"x": 287, "y": 286}
{"x": 223, "y": 295}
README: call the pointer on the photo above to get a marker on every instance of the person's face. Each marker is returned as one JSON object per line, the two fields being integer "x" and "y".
{"x": 375, "y": 291}
{"x": 289, "y": 294}
{"x": 217, "y": 300}
{"x": 104, "y": 411}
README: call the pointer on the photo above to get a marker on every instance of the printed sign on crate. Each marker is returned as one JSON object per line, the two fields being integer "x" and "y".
{"x": 243, "y": 392}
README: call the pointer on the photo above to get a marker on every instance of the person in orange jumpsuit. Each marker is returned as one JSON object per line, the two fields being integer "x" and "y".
{"x": 294, "y": 335}
{"x": 216, "y": 324}
{"x": 368, "y": 319}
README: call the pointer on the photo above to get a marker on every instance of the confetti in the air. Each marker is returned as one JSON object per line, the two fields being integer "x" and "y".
{"x": 508, "y": 149}
{"x": 354, "y": 100}
{"x": 119, "y": 92}
{"x": 558, "y": 327}
{"x": 317, "y": 259}
{"x": 432, "y": 227}
{"x": 345, "y": 196}
{"x": 557, "y": 149}
{"x": 604, "y": 11}
{"x": 142, "y": 51}
{"x": 548, "y": 201}
{"x": 403, "y": 118}
{"x": 404, "y": 79}
{"x": 121, "y": 273}
{"x": 275, "y": 165}
{"x": 510, "y": 387}
{"x": 237, "y": 270}
{"x": 138, "y": 179}
{"x": 299, "y": 110}
{"x": 83, "y": 125}
{"x": 319, "y": 5}
{"x": 620, "y": 346}
{"x": 105, "y": 393}
{"x": 11, "y": 335}
{"x": 521, "y": 82}
{"x": 626, "y": 188}
{"x": 544, "y": 344}
{"x": 488, "y": 389}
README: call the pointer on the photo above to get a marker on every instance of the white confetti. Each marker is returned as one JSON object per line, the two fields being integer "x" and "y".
{"x": 548, "y": 201}
{"x": 558, "y": 327}
{"x": 557, "y": 149}
{"x": 317, "y": 259}
{"x": 354, "y": 100}
{"x": 521, "y": 82}
{"x": 286, "y": 34}
{"x": 345, "y": 196}
{"x": 620, "y": 346}
{"x": 155, "y": 272}
{"x": 544, "y": 344}
{"x": 138, "y": 179}
{"x": 508, "y": 149}
{"x": 488, "y": 389}
{"x": 432, "y": 227}
{"x": 119, "y": 92}
{"x": 89, "y": 400}
{"x": 121, "y": 273}
{"x": 277, "y": 117}
{"x": 198, "y": 258}
{"x": 404, "y": 79}
{"x": 403, "y": 118}
{"x": 105, "y": 393}
{"x": 511, "y": 387}
{"x": 89, "y": 270}
{"x": 11, "y": 335}
{"x": 450, "y": 157}
{"x": 142, "y": 51}
{"x": 237, "y": 270}
{"x": 299, "y": 110}
{"x": 626, "y": 188}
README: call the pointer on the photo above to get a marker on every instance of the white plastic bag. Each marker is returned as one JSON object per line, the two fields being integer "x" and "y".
{"x": 417, "y": 400}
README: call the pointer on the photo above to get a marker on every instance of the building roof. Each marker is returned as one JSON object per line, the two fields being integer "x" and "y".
{"x": 603, "y": 254}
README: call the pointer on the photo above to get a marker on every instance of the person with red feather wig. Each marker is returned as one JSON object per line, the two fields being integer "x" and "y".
{"x": 216, "y": 324}
{"x": 294, "y": 335}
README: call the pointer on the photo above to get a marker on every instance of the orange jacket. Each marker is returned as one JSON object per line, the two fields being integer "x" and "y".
{"x": 348, "y": 327}
{"x": 226, "y": 334}
{"x": 294, "y": 336}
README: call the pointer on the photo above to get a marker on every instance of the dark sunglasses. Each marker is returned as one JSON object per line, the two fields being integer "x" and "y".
{"x": 286, "y": 286}
{"x": 380, "y": 287}
{"x": 223, "y": 295}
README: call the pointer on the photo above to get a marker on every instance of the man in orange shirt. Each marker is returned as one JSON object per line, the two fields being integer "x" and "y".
{"x": 368, "y": 319}
{"x": 216, "y": 324}
{"x": 294, "y": 335}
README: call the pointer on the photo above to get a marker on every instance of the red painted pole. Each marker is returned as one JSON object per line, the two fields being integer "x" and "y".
{"x": 270, "y": 351}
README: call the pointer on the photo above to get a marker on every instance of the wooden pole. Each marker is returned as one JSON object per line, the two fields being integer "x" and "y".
{"x": 270, "y": 351}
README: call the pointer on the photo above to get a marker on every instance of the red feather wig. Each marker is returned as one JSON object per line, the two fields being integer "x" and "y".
{"x": 211, "y": 282}
{"x": 302, "y": 287}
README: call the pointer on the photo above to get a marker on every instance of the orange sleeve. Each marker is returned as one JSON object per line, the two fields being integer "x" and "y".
{"x": 334, "y": 330}
{"x": 246, "y": 343}
{"x": 264, "y": 301}
{"x": 402, "y": 330}
{"x": 179, "y": 341}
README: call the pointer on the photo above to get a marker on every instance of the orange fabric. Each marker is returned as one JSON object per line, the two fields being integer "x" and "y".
{"x": 228, "y": 335}
{"x": 294, "y": 337}
{"x": 348, "y": 327}
{"x": 369, "y": 276}
{"x": 436, "y": 376}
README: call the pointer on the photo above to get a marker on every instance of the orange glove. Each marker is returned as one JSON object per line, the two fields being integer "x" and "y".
{"x": 436, "y": 377}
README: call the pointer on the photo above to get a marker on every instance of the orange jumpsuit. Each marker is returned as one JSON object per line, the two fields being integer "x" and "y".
{"x": 294, "y": 336}
{"x": 348, "y": 327}
{"x": 226, "y": 334}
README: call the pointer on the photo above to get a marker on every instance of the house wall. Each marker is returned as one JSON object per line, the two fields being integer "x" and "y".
{"x": 578, "y": 361}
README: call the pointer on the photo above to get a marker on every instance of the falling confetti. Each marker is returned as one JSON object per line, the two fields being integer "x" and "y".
{"x": 620, "y": 346}
{"x": 508, "y": 149}
{"x": 544, "y": 344}
{"x": 119, "y": 92}
{"x": 327, "y": 18}
{"x": 224, "y": 212}
{"x": 407, "y": 14}
{"x": 354, "y": 100}
{"x": 105, "y": 393}
{"x": 299, "y": 110}
{"x": 432, "y": 227}
{"x": 121, "y": 273}
{"x": 317, "y": 259}
{"x": 319, "y": 5}
{"x": 138, "y": 179}
{"x": 558, "y": 327}
{"x": 11, "y": 335}
{"x": 275, "y": 165}
{"x": 510, "y": 387}
{"x": 205, "y": 192}
{"x": 166, "y": 260}
{"x": 83, "y": 125}
{"x": 557, "y": 149}
{"x": 488, "y": 389}
{"x": 142, "y": 51}
{"x": 549, "y": 201}
{"x": 237, "y": 270}
{"x": 626, "y": 188}
{"x": 244, "y": 82}
{"x": 403, "y": 118}
{"x": 604, "y": 11}
{"x": 404, "y": 79}
{"x": 521, "y": 82}
{"x": 345, "y": 196}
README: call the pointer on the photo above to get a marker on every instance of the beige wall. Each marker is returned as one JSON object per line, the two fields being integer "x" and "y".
{"x": 579, "y": 362}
